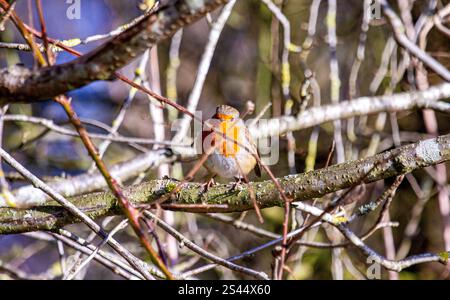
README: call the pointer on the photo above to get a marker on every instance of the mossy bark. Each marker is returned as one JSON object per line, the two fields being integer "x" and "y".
{"x": 221, "y": 198}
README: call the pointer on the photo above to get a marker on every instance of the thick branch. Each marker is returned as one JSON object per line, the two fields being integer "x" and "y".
{"x": 220, "y": 199}
{"x": 18, "y": 83}
{"x": 85, "y": 183}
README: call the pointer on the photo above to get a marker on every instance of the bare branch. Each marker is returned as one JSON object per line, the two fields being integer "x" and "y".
{"x": 352, "y": 108}
{"x": 75, "y": 212}
{"x": 29, "y": 196}
{"x": 221, "y": 199}
{"x": 20, "y": 84}
{"x": 404, "y": 41}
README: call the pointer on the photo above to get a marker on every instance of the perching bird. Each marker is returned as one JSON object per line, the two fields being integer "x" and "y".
{"x": 231, "y": 149}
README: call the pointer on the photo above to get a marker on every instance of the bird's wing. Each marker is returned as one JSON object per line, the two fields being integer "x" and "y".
{"x": 253, "y": 150}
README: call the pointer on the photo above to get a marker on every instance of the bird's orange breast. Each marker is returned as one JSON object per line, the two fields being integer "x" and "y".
{"x": 227, "y": 138}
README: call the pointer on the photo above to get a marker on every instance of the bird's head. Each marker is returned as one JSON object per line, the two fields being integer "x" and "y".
{"x": 226, "y": 113}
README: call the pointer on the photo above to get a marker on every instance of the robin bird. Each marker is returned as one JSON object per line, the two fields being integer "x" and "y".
{"x": 229, "y": 145}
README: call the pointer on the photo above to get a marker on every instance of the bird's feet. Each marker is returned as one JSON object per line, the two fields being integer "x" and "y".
{"x": 239, "y": 181}
{"x": 166, "y": 177}
{"x": 205, "y": 186}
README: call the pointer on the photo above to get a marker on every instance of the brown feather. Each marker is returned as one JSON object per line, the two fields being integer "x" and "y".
{"x": 255, "y": 151}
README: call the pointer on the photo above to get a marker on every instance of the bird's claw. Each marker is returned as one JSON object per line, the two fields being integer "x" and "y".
{"x": 166, "y": 177}
{"x": 236, "y": 184}
{"x": 205, "y": 186}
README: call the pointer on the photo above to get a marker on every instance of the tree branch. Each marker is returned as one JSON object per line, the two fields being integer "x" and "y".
{"x": 29, "y": 196}
{"x": 399, "y": 32}
{"x": 220, "y": 198}
{"x": 352, "y": 108}
{"x": 20, "y": 84}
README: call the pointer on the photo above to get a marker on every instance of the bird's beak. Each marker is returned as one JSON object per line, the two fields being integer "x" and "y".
{"x": 223, "y": 117}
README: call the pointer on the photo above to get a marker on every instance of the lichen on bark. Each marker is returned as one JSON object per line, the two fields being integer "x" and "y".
{"x": 222, "y": 198}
